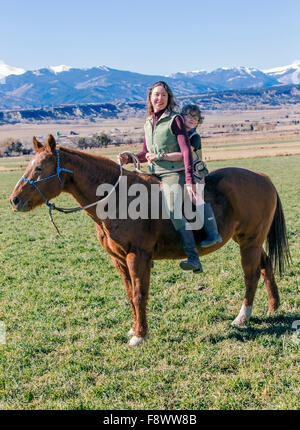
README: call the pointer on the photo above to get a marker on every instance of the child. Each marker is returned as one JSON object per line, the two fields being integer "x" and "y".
{"x": 192, "y": 118}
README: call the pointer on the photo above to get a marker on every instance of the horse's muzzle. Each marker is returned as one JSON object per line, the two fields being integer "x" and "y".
{"x": 19, "y": 205}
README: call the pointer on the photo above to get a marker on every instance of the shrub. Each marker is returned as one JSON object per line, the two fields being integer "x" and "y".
{"x": 10, "y": 146}
{"x": 82, "y": 143}
{"x": 102, "y": 140}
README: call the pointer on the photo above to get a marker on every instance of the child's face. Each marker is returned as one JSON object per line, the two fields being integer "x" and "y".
{"x": 191, "y": 120}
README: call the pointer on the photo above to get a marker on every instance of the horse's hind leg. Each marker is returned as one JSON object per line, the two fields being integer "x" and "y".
{"x": 269, "y": 280}
{"x": 139, "y": 266}
{"x": 250, "y": 258}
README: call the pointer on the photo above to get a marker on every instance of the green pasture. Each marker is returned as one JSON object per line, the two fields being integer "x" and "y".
{"x": 66, "y": 316}
{"x": 14, "y": 162}
{"x": 251, "y": 144}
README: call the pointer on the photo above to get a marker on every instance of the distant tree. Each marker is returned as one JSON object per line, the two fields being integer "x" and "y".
{"x": 102, "y": 140}
{"x": 82, "y": 143}
{"x": 96, "y": 141}
{"x": 10, "y": 146}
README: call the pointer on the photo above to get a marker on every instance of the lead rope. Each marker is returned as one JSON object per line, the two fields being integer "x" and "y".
{"x": 52, "y": 206}
{"x": 56, "y": 230}
{"x": 79, "y": 208}
{"x": 136, "y": 163}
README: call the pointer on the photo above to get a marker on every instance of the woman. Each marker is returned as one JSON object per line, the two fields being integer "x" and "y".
{"x": 165, "y": 133}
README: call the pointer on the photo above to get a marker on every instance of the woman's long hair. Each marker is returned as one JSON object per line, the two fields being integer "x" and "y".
{"x": 171, "y": 100}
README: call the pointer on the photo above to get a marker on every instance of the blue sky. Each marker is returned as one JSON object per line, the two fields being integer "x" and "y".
{"x": 152, "y": 37}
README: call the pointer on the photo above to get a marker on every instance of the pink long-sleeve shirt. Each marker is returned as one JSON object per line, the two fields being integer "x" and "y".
{"x": 179, "y": 130}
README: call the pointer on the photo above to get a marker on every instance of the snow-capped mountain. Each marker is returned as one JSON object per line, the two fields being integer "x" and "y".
{"x": 59, "y": 69}
{"x": 286, "y": 74}
{"x": 61, "y": 85}
{"x": 6, "y": 70}
{"x": 225, "y": 78}
{"x": 67, "y": 85}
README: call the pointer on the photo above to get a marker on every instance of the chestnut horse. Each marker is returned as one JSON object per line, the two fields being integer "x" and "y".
{"x": 246, "y": 205}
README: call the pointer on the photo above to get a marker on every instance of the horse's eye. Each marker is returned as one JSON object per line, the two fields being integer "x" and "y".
{"x": 38, "y": 168}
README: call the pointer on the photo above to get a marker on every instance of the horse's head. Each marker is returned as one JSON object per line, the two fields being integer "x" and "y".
{"x": 40, "y": 181}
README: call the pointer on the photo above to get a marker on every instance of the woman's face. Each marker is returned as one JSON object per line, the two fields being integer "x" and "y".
{"x": 159, "y": 98}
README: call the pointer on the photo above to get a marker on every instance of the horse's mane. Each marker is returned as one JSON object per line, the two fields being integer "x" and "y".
{"x": 95, "y": 164}
{"x": 85, "y": 156}
{"x": 94, "y": 167}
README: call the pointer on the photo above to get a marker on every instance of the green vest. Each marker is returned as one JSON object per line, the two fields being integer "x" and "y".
{"x": 161, "y": 139}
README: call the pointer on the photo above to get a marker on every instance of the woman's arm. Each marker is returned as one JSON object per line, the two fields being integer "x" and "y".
{"x": 126, "y": 159}
{"x": 142, "y": 155}
{"x": 178, "y": 128}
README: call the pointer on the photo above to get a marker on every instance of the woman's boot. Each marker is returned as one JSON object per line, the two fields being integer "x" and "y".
{"x": 188, "y": 242}
{"x": 210, "y": 227}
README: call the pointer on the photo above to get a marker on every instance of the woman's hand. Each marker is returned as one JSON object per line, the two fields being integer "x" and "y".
{"x": 151, "y": 157}
{"x": 124, "y": 158}
{"x": 195, "y": 193}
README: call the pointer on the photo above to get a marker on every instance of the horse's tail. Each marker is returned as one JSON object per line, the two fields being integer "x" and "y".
{"x": 277, "y": 241}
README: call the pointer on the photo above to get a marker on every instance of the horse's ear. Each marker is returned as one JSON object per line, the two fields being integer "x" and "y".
{"x": 51, "y": 144}
{"x": 37, "y": 145}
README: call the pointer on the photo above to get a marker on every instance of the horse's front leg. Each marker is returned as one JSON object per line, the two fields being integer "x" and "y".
{"x": 121, "y": 266}
{"x": 139, "y": 266}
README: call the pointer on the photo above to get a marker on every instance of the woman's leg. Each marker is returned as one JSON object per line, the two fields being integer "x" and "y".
{"x": 173, "y": 186}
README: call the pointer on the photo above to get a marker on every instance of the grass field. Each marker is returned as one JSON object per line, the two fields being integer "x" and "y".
{"x": 66, "y": 316}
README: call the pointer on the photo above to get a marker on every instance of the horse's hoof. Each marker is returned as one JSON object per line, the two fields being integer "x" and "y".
{"x": 239, "y": 322}
{"x": 243, "y": 316}
{"x": 134, "y": 341}
{"x": 131, "y": 332}
{"x": 272, "y": 309}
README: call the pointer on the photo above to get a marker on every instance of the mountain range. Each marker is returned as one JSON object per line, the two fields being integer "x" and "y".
{"x": 251, "y": 98}
{"x": 66, "y": 85}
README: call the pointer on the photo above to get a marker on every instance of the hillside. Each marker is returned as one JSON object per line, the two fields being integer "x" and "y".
{"x": 235, "y": 100}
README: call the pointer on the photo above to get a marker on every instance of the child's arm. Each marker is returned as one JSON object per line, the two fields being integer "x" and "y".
{"x": 177, "y": 156}
{"x": 172, "y": 156}
{"x": 196, "y": 144}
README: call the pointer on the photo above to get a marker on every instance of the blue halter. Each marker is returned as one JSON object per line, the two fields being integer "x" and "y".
{"x": 57, "y": 173}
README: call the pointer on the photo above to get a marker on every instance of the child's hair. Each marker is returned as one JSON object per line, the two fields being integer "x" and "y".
{"x": 192, "y": 109}
{"x": 171, "y": 100}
